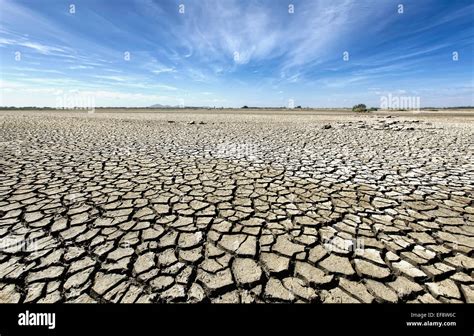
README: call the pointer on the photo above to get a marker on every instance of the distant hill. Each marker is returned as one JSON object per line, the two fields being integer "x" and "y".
{"x": 162, "y": 106}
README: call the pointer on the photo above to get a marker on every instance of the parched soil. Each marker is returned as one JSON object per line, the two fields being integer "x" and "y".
{"x": 224, "y": 206}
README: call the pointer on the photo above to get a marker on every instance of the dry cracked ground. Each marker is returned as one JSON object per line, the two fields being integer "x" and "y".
{"x": 236, "y": 207}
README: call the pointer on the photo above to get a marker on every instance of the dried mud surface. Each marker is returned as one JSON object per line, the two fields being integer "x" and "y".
{"x": 236, "y": 207}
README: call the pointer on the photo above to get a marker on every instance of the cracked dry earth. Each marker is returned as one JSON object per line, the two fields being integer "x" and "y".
{"x": 185, "y": 207}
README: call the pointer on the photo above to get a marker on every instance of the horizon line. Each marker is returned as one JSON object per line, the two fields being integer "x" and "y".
{"x": 245, "y": 107}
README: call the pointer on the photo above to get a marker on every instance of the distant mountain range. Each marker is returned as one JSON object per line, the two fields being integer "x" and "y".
{"x": 162, "y": 106}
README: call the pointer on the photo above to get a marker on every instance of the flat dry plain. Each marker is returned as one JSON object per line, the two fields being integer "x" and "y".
{"x": 236, "y": 206}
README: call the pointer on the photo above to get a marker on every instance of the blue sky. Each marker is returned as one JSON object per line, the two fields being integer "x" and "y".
{"x": 233, "y": 53}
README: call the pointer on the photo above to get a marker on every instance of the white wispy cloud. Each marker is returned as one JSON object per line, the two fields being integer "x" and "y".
{"x": 162, "y": 70}
{"x": 38, "y": 47}
{"x": 112, "y": 78}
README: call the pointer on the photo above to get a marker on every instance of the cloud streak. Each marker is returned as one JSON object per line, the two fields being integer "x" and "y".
{"x": 235, "y": 49}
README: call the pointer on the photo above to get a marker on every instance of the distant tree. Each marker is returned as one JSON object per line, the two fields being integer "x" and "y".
{"x": 359, "y": 108}
{"x": 298, "y": 107}
{"x": 245, "y": 107}
{"x": 373, "y": 109}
